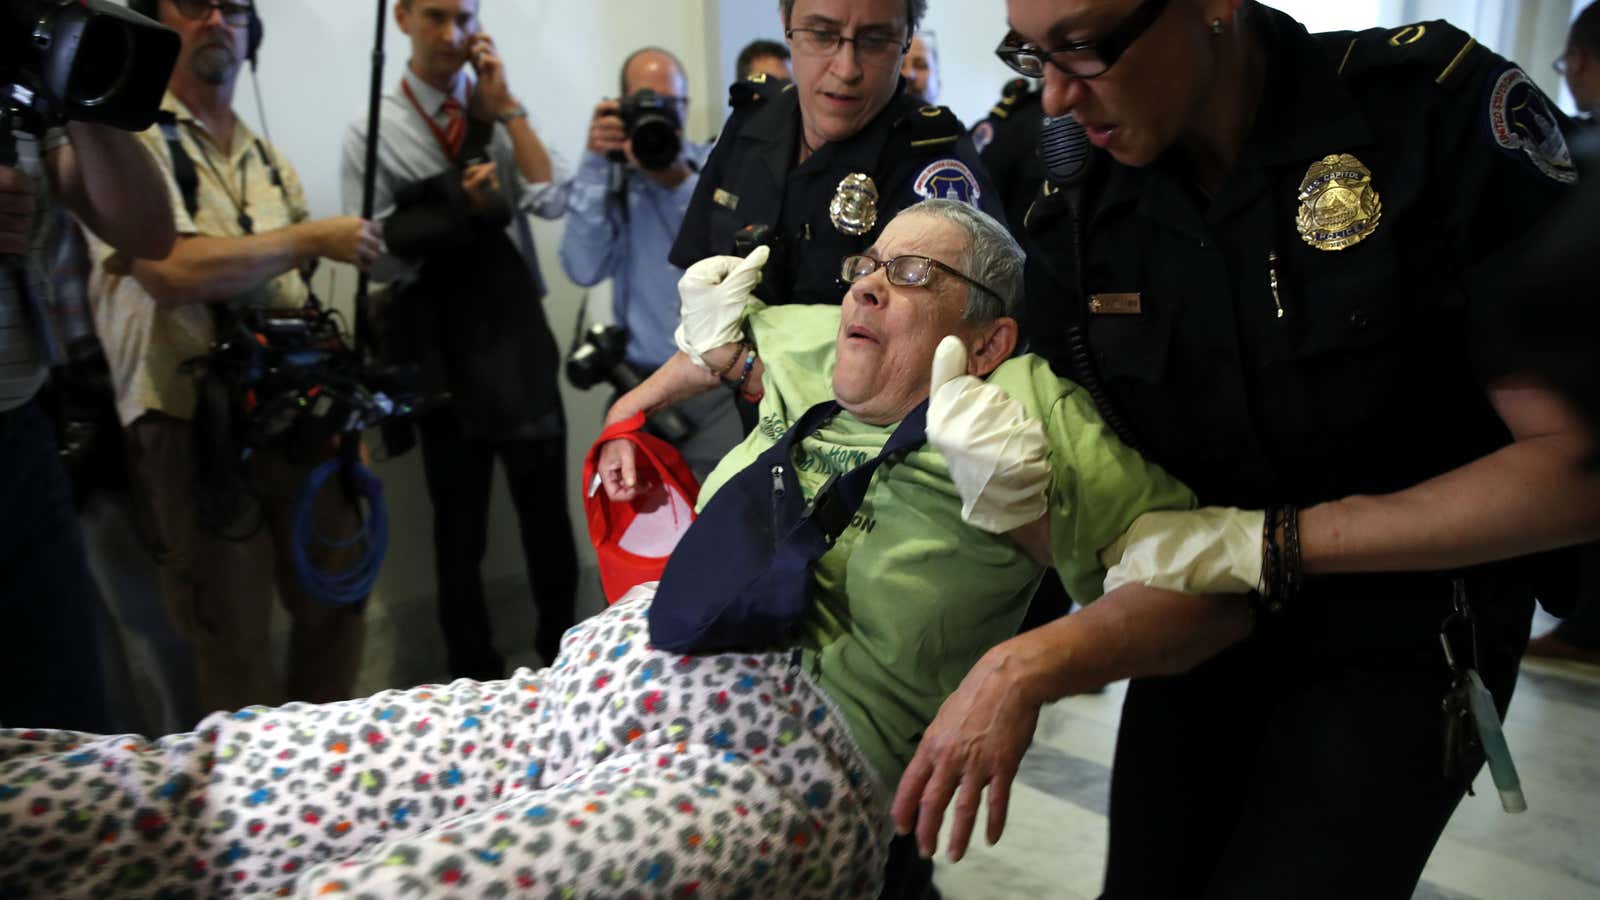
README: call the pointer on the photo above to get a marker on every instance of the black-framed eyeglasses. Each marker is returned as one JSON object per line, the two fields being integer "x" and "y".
{"x": 826, "y": 42}
{"x": 233, "y": 11}
{"x": 1081, "y": 59}
{"x": 905, "y": 271}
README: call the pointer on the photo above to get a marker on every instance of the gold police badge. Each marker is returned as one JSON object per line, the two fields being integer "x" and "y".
{"x": 854, "y": 209}
{"x": 1339, "y": 207}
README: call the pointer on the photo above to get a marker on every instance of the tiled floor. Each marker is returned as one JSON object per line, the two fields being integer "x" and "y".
{"x": 1054, "y": 843}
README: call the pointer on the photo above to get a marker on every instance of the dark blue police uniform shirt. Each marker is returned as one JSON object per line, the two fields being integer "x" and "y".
{"x": 751, "y": 191}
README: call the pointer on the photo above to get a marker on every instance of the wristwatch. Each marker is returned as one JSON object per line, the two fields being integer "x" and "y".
{"x": 521, "y": 112}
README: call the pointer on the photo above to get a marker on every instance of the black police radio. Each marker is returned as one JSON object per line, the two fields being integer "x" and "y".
{"x": 152, "y": 9}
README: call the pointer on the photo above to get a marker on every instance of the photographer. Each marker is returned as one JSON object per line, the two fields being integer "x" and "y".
{"x": 458, "y": 169}
{"x": 47, "y": 595}
{"x": 624, "y": 209}
{"x": 245, "y": 237}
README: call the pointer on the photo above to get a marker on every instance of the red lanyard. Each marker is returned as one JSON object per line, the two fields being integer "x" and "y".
{"x": 451, "y": 147}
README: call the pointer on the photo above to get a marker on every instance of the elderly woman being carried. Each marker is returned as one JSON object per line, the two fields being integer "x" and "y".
{"x": 716, "y": 743}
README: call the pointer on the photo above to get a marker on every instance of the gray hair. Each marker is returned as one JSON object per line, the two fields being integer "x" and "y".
{"x": 994, "y": 258}
{"x": 915, "y": 10}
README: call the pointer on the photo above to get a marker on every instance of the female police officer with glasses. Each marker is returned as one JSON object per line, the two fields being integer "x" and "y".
{"x": 1295, "y": 252}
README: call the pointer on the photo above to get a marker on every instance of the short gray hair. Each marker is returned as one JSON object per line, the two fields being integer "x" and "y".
{"x": 915, "y": 10}
{"x": 994, "y": 258}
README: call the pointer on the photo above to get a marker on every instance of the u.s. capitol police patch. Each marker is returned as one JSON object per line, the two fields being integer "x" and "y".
{"x": 983, "y": 135}
{"x": 948, "y": 179}
{"x": 1522, "y": 123}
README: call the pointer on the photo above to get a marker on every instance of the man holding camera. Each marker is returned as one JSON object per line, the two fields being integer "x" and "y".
{"x": 47, "y": 596}
{"x": 245, "y": 240}
{"x": 459, "y": 167}
{"x": 624, "y": 208}
{"x": 815, "y": 169}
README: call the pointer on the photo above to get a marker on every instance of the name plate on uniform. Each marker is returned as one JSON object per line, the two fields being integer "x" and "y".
{"x": 723, "y": 198}
{"x": 1115, "y": 304}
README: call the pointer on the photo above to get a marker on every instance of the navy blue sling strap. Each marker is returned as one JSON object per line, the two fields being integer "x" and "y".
{"x": 741, "y": 576}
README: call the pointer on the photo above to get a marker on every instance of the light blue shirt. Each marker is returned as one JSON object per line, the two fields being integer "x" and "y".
{"x": 600, "y": 243}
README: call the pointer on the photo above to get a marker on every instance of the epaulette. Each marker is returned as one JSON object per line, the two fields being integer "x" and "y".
{"x": 756, "y": 89}
{"x": 1015, "y": 91}
{"x": 932, "y": 129}
{"x": 1438, "y": 47}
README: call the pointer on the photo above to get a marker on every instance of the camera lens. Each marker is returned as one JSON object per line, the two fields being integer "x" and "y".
{"x": 655, "y": 141}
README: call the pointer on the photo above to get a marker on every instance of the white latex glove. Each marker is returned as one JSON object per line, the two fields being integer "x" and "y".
{"x": 999, "y": 458}
{"x": 715, "y": 295}
{"x": 1212, "y": 550}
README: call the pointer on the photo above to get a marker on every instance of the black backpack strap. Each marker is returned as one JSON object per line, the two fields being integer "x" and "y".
{"x": 837, "y": 501}
{"x": 183, "y": 170}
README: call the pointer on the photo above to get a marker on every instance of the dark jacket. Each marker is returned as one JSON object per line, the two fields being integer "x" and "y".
{"x": 473, "y": 321}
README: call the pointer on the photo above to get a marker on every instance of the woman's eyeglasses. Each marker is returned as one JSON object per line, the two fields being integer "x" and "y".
{"x": 1081, "y": 59}
{"x": 905, "y": 271}
{"x": 826, "y": 42}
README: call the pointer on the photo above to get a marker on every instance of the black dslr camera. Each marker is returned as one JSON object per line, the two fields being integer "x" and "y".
{"x": 83, "y": 60}
{"x": 597, "y": 358}
{"x": 652, "y": 124}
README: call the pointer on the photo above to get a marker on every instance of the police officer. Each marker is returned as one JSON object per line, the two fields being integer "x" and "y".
{"x": 1007, "y": 141}
{"x": 814, "y": 169}
{"x": 1290, "y": 245}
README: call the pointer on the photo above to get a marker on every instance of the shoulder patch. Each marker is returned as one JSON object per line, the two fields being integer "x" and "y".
{"x": 983, "y": 135}
{"x": 1522, "y": 124}
{"x": 948, "y": 179}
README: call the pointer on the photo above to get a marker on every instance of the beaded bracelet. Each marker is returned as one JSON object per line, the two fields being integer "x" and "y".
{"x": 1280, "y": 562}
{"x": 749, "y": 363}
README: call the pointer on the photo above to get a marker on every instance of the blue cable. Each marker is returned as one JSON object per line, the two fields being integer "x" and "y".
{"x": 352, "y": 585}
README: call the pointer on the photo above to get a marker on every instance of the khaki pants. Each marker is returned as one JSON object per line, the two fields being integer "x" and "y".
{"x": 219, "y": 591}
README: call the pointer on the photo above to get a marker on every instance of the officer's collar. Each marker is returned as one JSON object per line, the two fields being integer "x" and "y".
{"x": 1306, "y": 112}
{"x": 777, "y": 127}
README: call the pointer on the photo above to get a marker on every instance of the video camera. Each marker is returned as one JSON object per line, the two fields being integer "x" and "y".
{"x": 597, "y": 358}
{"x": 294, "y": 382}
{"x": 651, "y": 122}
{"x": 83, "y": 60}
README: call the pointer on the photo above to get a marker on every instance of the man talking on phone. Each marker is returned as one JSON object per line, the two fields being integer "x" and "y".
{"x": 459, "y": 169}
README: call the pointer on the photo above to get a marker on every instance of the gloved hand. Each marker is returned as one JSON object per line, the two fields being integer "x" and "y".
{"x": 1212, "y": 550}
{"x": 716, "y": 294}
{"x": 999, "y": 458}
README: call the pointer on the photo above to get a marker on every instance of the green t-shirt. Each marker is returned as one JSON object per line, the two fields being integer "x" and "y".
{"x": 911, "y": 596}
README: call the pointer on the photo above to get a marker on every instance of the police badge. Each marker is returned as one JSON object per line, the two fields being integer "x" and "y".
{"x": 854, "y": 209}
{"x": 1339, "y": 207}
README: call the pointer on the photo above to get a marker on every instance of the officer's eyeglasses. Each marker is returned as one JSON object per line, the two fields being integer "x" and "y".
{"x": 905, "y": 271}
{"x": 1081, "y": 59}
{"x": 233, "y": 12}
{"x": 1560, "y": 65}
{"x": 826, "y": 42}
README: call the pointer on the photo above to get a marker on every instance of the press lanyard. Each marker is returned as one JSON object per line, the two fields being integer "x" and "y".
{"x": 240, "y": 203}
{"x": 450, "y": 153}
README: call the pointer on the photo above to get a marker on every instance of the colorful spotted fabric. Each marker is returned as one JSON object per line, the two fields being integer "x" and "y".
{"x": 618, "y": 772}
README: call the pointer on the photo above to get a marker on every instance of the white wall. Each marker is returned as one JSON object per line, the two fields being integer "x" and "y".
{"x": 738, "y": 23}
{"x": 562, "y": 57}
